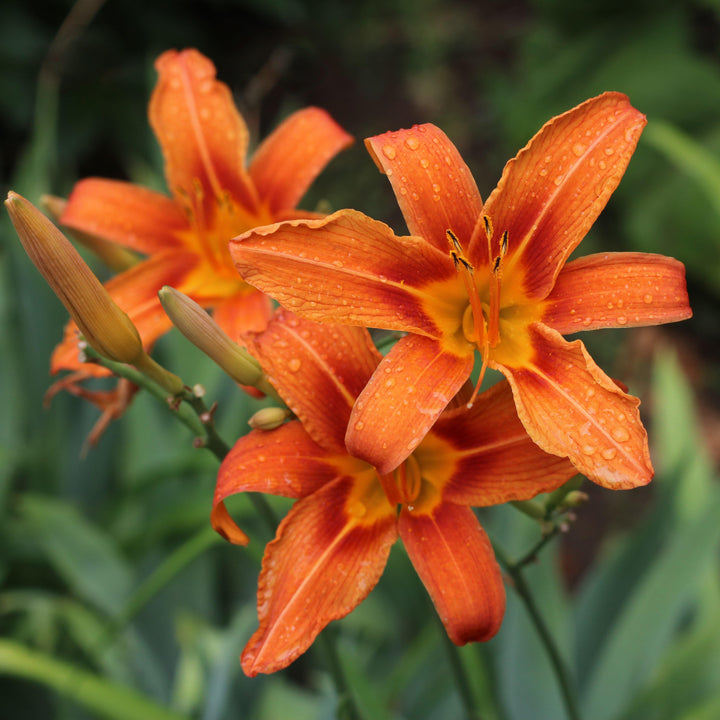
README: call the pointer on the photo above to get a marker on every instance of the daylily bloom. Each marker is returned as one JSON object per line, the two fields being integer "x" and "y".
{"x": 214, "y": 196}
{"x": 492, "y": 277}
{"x": 332, "y": 547}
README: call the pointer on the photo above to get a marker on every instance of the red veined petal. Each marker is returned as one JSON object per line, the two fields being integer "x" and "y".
{"x": 551, "y": 193}
{"x": 348, "y": 268}
{"x": 285, "y": 461}
{"x": 571, "y": 408}
{"x": 617, "y": 290}
{"x": 433, "y": 186}
{"x": 293, "y": 155}
{"x": 484, "y": 456}
{"x": 324, "y": 561}
{"x": 135, "y": 291}
{"x": 203, "y": 137}
{"x": 453, "y": 557}
{"x": 126, "y": 214}
{"x": 412, "y": 385}
{"x": 247, "y": 311}
{"x": 319, "y": 370}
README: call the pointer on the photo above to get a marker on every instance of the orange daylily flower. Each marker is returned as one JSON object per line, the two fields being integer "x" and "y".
{"x": 204, "y": 141}
{"x": 492, "y": 277}
{"x": 332, "y": 547}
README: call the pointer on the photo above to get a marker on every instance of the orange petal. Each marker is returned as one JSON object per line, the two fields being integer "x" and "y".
{"x": 322, "y": 564}
{"x": 552, "y": 192}
{"x": 291, "y": 157}
{"x": 246, "y": 311}
{"x": 434, "y": 187}
{"x": 346, "y": 268}
{"x": 319, "y": 370}
{"x": 412, "y": 385}
{"x": 484, "y": 456}
{"x": 135, "y": 291}
{"x": 204, "y": 138}
{"x": 617, "y": 290}
{"x": 126, "y": 214}
{"x": 571, "y": 408}
{"x": 284, "y": 461}
{"x": 453, "y": 557}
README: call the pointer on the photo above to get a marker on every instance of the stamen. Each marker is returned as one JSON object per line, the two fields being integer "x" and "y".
{"x": 465, "y": 268}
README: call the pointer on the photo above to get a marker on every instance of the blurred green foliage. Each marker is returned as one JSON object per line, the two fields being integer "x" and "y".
{"x": 116, "y": 601}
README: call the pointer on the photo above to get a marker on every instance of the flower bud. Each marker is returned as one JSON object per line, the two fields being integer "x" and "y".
{"x": 103, "y": 324}
{"x": 269, "y": 418}
{"x": 203, "y": 332}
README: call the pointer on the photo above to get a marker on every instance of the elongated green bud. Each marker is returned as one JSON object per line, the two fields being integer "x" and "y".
{"x": 203, "y": 332}
{"x": 105, "y": 327}
{"x": 103, "y": 324}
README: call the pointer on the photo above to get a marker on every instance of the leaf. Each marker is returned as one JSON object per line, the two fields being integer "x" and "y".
{"x": 84, "y": 556}
{"x": 652, "y": 614}
{"x": 105, "y": 699}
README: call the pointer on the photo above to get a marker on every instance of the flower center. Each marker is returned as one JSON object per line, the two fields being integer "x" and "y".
{"x": 481, "y": 319}
{"x": 402, "y": 486}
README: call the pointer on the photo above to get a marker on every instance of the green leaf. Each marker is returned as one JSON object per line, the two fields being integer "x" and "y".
{"x": 105, "y": 699}
{"x": 652, "y": 614}
{"x": 80, "y": 552}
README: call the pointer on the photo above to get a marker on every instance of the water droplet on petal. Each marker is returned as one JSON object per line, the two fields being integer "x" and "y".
{"x": 294, "y": 364}
{"x": 412, "y": 142}
{"x": 621, "y": 434}
{"x": 359, "y": 425}
{"x": 648, "y": 299}
{"x": 578, "y": 149}
{"x": 609, "y": 453}
{"x": 389, "y": 152}
{"x": 622, "y": 320}
{"x": 588, "y": 449}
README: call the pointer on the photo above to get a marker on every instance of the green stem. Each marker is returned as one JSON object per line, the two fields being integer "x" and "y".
{"x": 514, "y": 569}
{"x": 347, "y": 706}
{"x": 460, "y": 674}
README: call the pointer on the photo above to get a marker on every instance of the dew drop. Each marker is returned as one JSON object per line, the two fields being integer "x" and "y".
{"x": 338, "y": 263}
{"x": 609, "y": 453}
{"x": 578, "y": 149}
{"x": 412, "y": 142}
{"x": 648, "y": 299}
{"x": 588, "y": 449}
{"x": 622, "y": 320}
{"x": 621, "y": 434}
{"x": 543, "y": 172}
{"x": 359, "y": 425}
{"x": 389, "y": 152}
{"x": 424, "y": 162}
{"x": 294, "y": 364}
{"x": 436, "y": 188}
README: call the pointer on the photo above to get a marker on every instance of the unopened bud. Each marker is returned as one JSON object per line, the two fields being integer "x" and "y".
{"x": 203, "y": 332}
{"x": 269, "y": 418}
{"x": 114, "y": 256}
{"x": 103, "y": 324}
{"x": 574, "y": 499}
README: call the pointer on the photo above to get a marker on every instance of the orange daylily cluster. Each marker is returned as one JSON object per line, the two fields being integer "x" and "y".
{"x": 214, "y": 196}
{"x": 399, "y": 446}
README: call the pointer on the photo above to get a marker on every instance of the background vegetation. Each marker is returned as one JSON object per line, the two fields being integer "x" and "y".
{"x": 117, "y": 601}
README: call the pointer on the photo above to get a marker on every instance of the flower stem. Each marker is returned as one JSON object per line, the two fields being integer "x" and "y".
{"x": 459, "y": 672}
{"x": 514, "y": 569}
